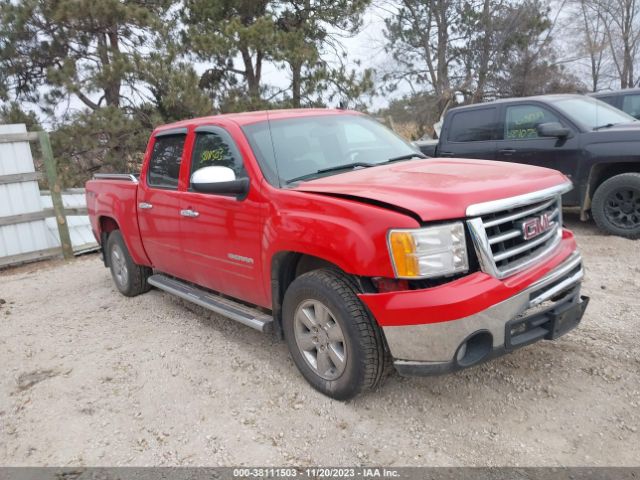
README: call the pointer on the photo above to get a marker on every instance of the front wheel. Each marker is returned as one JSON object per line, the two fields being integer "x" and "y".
{"x": 333, "y": 340}
{"x": 616, "y": 205}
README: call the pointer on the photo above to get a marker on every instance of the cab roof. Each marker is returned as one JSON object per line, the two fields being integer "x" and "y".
{"x": 538, "y": 98}
{"x": 247, "y": 118}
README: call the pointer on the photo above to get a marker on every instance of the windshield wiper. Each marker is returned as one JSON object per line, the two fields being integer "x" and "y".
{"x": 606, "y": 125}
{"x": 351, "y": 166}
{"x": 346, "y": 166}
{"x": 406, "y": 157}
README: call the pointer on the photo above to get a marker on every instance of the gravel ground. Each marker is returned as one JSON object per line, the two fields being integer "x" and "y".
{"x": 94, "y": 378}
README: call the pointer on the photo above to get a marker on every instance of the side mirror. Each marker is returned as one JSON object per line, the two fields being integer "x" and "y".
{"x": 552, "y": 129}
{"x": 219, "y": 180}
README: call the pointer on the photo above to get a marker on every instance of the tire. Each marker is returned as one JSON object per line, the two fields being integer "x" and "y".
{"x": 616, "y": 205}
{"x": 314, "y": 305}
{"x": 129, "y": 277}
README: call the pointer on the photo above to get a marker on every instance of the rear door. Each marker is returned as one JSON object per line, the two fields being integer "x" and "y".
{"x": 222, "y": 234}
{"x": 159, "y": 203}
{"x": 520, "y": 142}
{"x": 470, "y": 134}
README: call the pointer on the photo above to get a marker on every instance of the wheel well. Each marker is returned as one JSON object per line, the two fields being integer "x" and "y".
{"x": 600, "y": 173}
{"x": 285, "y": 268}
{"x": 107, "y": 225}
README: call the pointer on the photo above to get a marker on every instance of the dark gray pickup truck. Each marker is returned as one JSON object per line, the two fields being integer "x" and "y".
{"x": 596, "y": 145}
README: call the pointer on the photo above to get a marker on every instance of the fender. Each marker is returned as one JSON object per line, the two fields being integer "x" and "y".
{"x": 603, "y": 162}
{"x": 118, "y": 201}
{"x": 349, "y": 234}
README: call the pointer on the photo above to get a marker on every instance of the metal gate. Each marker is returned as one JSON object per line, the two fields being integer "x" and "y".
{"x": 32, "y": 225}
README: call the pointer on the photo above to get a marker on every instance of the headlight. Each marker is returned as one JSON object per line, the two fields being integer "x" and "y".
{"x": 429, "y": 252}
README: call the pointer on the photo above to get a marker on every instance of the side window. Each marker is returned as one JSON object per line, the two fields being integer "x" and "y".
{"x": 631, "y": 105}
{"x": 611, "y": 100}
{"x": 164, "y": 166}
{"x": 472, "y": 126}
{"x": 522, "y": 121}
{"x": 213, "y": 148}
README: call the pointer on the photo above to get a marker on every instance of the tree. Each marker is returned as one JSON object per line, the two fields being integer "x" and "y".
{"x": 621, "y": 19}
{"x": 13, "y": 113}
{"x": 225, "y": 31}
{"x": 478, "y": 49}
{"x": 75, "y": 47}
{"x": 310, "y": 35}
{"x": 411, "y": 116}
{"x": 528, "y": 66}
{"x": 420, "y": 37}
{"x": 592, "y": 43}
{"x": 171, "y": 87}
{"x": 238, "y": 38}
{"x": 119, "y": 58}
{"x": 107, "y": 140}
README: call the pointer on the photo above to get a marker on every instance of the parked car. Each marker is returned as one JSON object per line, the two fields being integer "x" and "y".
{"x": 322, "y": 226}
{"x": 596, "y": 145}
{"x": 627, "y": 100}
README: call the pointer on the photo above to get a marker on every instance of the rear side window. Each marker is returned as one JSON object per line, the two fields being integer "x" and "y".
{"x": 216, "y": 147}
{"x": 610, "y": 100}
{"x": 522, "y": 121}
{"x": 631, "y": 105}
{"x": 473, "y": 126}
{"x": 164, "y": 166}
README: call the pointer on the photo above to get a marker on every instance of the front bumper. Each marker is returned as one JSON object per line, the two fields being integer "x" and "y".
{"x": 547, "y": 308}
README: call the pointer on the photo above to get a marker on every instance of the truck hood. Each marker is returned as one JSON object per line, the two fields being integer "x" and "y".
{"x": 435, "y": 188}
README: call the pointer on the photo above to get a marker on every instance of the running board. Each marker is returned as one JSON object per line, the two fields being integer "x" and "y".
{"x": 239, "y": 312}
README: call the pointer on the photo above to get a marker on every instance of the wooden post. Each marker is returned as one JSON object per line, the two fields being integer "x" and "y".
{"x": 56, "y": 195}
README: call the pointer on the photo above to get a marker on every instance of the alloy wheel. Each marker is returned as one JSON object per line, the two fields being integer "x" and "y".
{"x": 622, "y": 208}
{"x": 320, "y": 339}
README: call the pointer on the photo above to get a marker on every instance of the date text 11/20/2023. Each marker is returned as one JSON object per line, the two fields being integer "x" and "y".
{"x": 315, "y": 472}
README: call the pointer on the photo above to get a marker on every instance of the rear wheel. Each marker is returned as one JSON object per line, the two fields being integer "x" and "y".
{"x": 616, "y": 205}
{"x": 334, "y": 342}
{"x": 129, "y": 277}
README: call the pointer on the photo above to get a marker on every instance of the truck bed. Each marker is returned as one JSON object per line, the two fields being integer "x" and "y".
{"x": 111, "y": 201}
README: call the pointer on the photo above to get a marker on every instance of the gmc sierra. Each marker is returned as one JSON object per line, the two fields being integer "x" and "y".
{"x": 328, "y": 229}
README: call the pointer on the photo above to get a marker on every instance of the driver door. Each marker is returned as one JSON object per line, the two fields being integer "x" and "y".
{"x": 221, "y": 234}
{"x": 522, "y": 144}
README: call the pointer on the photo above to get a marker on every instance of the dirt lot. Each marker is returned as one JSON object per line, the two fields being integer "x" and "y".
{"x": 94, "y": 378}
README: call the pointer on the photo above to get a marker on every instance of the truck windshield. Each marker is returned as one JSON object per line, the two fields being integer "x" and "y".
{"x": 304, "y": 148}
{"x": 592, "y": 113}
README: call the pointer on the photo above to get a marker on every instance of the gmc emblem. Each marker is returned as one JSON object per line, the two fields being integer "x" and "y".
{"x": 532, "y": 227}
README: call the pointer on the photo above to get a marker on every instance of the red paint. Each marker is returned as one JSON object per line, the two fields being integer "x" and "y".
{"x": 438, "y": 189}
{"x": 230, "y": 247}
{"x": 460, "y": 298}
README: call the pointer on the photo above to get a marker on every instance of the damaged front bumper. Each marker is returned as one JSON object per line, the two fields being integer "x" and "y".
{"x": 548, "y": 308}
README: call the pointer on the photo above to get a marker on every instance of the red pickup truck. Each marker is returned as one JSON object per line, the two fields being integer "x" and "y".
{"x": 328, "y": 229}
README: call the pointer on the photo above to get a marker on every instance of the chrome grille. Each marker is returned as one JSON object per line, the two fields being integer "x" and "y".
{"x": 498, "y": 232}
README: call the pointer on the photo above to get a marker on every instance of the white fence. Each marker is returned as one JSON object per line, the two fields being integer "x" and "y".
{"x": 27, "y": 230}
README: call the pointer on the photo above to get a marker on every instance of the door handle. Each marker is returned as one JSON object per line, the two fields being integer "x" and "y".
{"x": 189, "y": 213}
{"x": 508, "y": 151}
{"x": 445, "y": 154}
{"x": 145, "y": 206}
